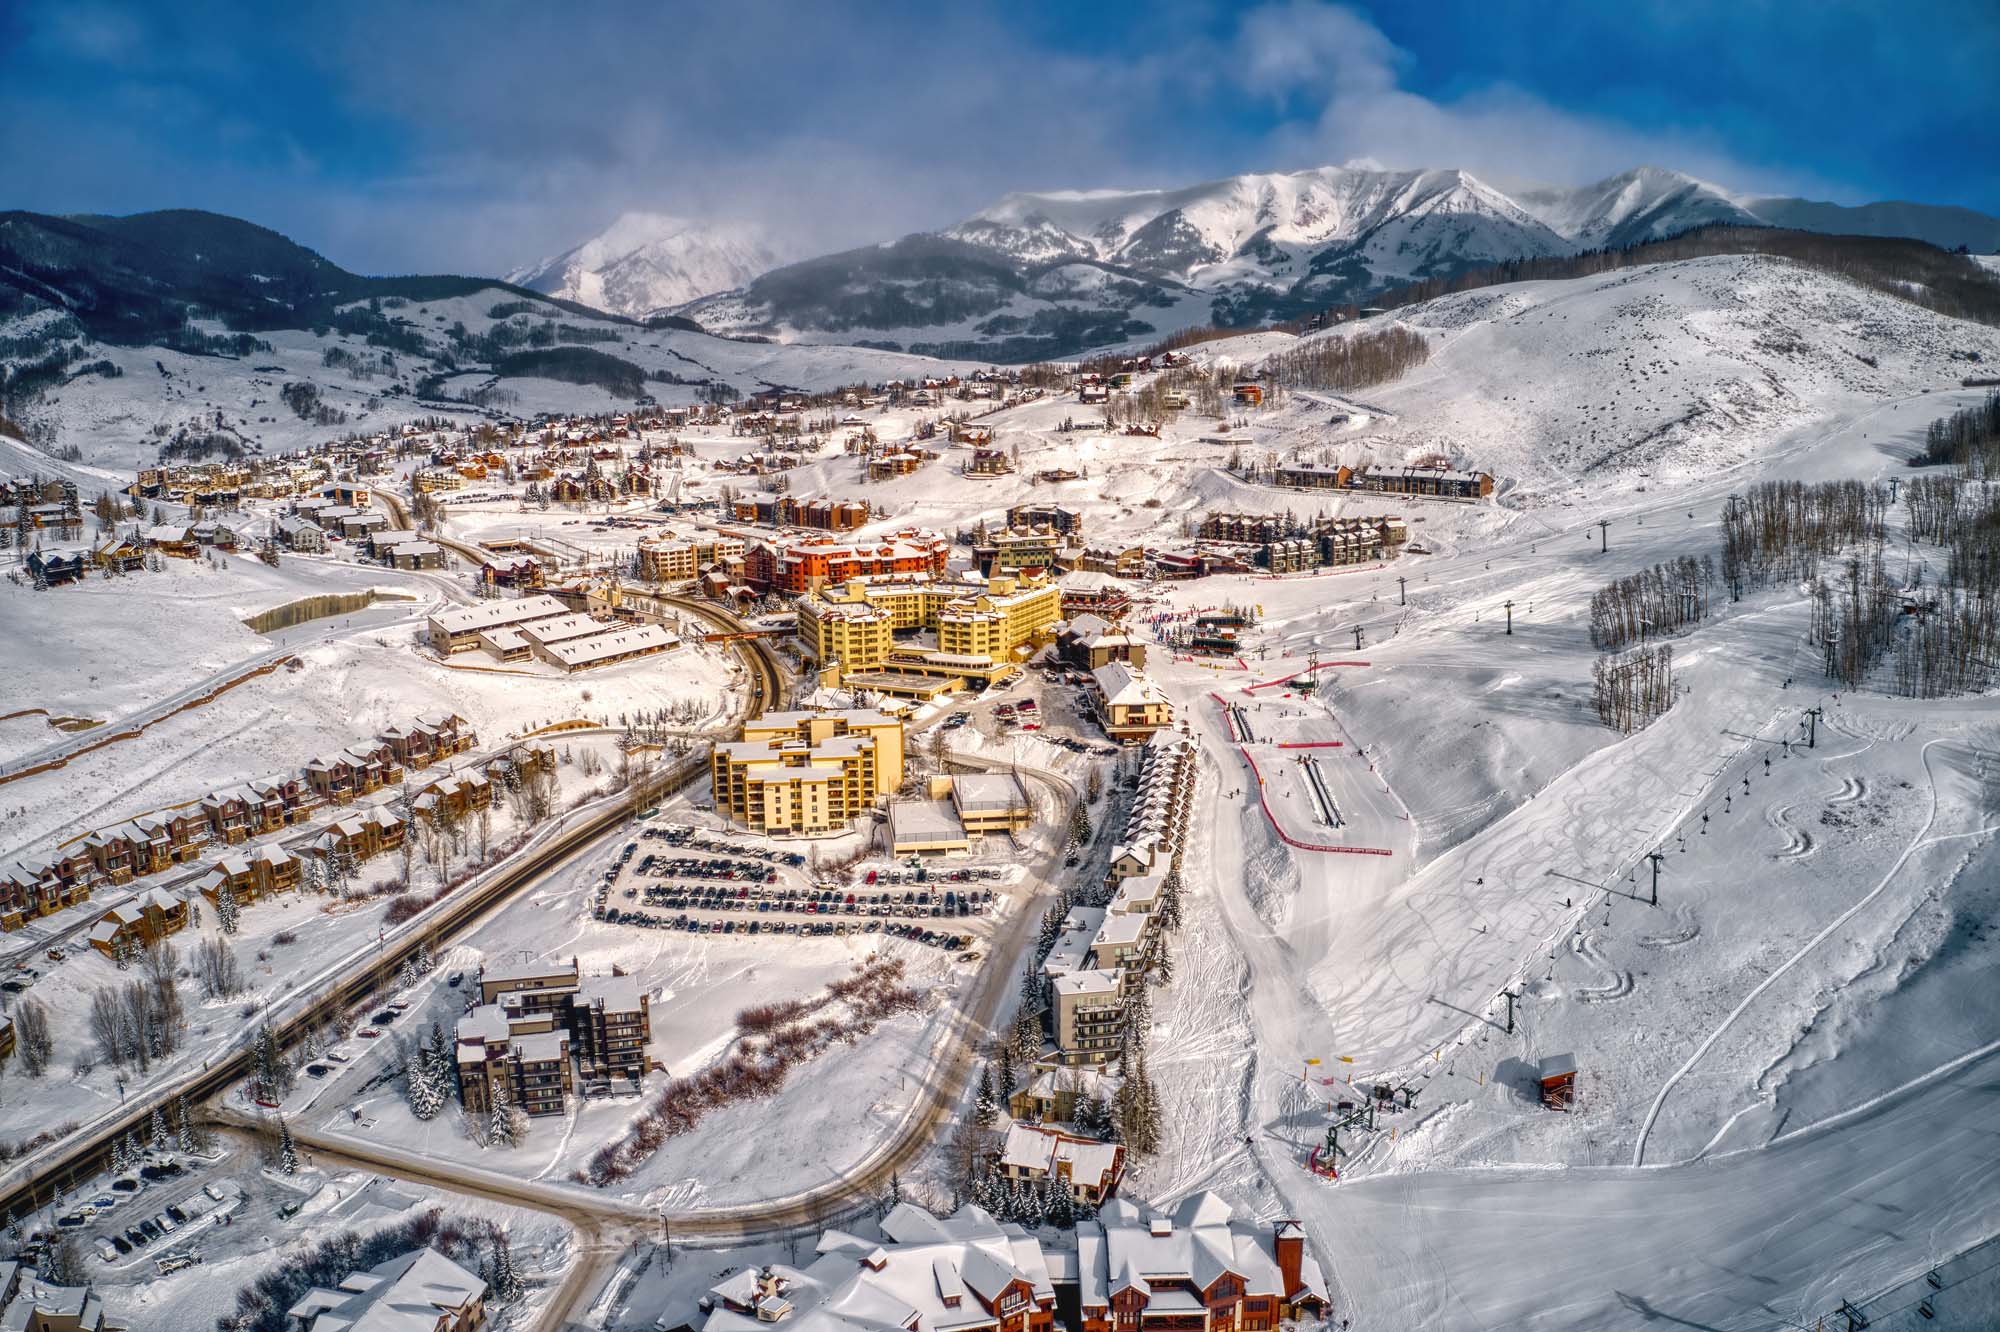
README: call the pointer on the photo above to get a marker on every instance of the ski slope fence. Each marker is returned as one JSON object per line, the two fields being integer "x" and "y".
{"x": 1287, "y": 679}
{"x": 1265, "y": 804}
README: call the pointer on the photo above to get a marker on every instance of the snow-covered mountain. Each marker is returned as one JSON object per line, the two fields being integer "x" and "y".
{"x": 644, "y": 263}
{"x": 1051, "y": 273}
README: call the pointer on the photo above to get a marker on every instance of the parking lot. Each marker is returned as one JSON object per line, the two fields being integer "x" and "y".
{"x": 732, "y": 889}
{"x": 152, "y": 1210}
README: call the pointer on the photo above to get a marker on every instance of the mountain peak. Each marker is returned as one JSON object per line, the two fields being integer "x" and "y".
{"x": 646, "y": 262}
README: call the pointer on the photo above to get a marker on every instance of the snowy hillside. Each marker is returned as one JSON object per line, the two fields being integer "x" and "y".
{"x": 644, "y": 263}
{"x": 1670, "y": 371}
{"x": 152, "y": 396}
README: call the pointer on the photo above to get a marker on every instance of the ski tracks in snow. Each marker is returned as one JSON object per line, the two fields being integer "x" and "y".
{"x": 1615, "y": 984}
{"x": 1920, "y": 841}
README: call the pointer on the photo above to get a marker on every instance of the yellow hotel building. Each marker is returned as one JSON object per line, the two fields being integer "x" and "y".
{"x": 807, "y": 772}
{"x": 984, "y": 629}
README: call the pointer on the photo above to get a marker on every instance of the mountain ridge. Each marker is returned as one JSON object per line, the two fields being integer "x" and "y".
{"x": 1049, "y": 273}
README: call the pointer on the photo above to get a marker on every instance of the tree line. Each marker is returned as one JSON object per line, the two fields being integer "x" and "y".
{"x": 1968, "y": 439}
{"x": 1631, "y": 691}
{"x": 1781, "y": 530}
{"x": 1337, "y": 364}
{"x": 1670, "y": 596}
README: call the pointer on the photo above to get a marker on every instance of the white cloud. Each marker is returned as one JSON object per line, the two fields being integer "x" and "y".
{"x": 1345, "y": 80}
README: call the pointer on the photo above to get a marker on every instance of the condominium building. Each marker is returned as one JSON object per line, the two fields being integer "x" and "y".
{"x": 540, "y": 1026}
{"x": 458, "y": 629}
{"x": 1197, "y": 1268}
{"x": 807, "y": 772}
{"x": 797, "y": 565}
{"x": 1090, "y": 1015}
{"x": 676, "y": 559}
{"x": 1129, "y": 704}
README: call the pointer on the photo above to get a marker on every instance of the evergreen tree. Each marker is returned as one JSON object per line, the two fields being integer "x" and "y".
{"x": 156, "y": 1130}
{"x": 288, "y": 1151}
{"x": 421, "y": 1087}
{"x": 406, "y": 977}
{"x": 502, "y": 1129}
{"x": 1032, "y": 1205}
{"x": 135, "y": 1156}
{"x": 506, "y": 1282}
{"x": 272, "y": 1074}
{"x": 1138, "y": 1113}
{"x": 1003, "y": 1079}
{"x": 62, "y": 1265}
{"x": 184, "y": 1135}
{"x": 1163, "y": 963}
{"x": 225, "y": 910}
{"x": 983, "y": 1109}
{"x": 1092, "y": 1116}
{"x": 1062, "y": 1208}
{"x": 1027, "y": 1035}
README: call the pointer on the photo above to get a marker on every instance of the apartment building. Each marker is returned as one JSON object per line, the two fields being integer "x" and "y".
{"x": 30, "y": 888}
{"x": 149, "y": 917}
{"x": 1089, "y": 1015}
{"x": 611, "y": 1021}
{"x": 1014, "y": 550}
{"x": 807, "y": 772}
{"x": 29, "y": 1304}
{"x": 266, "y": 871}
{"x": 962, "y": 1273}
{"x": 795, "y": 566}
{"x": 1194, "y": 1269}
{"x": 1101, "y": 955}
{"x": 1056, "y": 517}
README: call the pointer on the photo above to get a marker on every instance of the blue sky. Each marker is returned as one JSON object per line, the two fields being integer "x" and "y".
{"x": 437, "y": 137}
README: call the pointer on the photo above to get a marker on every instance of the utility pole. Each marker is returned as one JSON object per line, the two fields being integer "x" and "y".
{"x": 1603, "y": 535}
{"x": 1813, "y": 714}
{"x": 1509, "y": 995}
{"x": 1510, "y": 619}
{"x": 1402, "y": 590}
{"x": 1655, "y": 857}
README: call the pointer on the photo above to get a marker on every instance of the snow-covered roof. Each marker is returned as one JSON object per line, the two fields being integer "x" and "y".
{"x": 1124, "y": 687}
{"x": 1092, "y": 1165}
{"x": 491, "y": 614}
{"x": 929, "y": 1275}
{"x": 599, "y": 647}
{"x": 406, "y": 1294}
